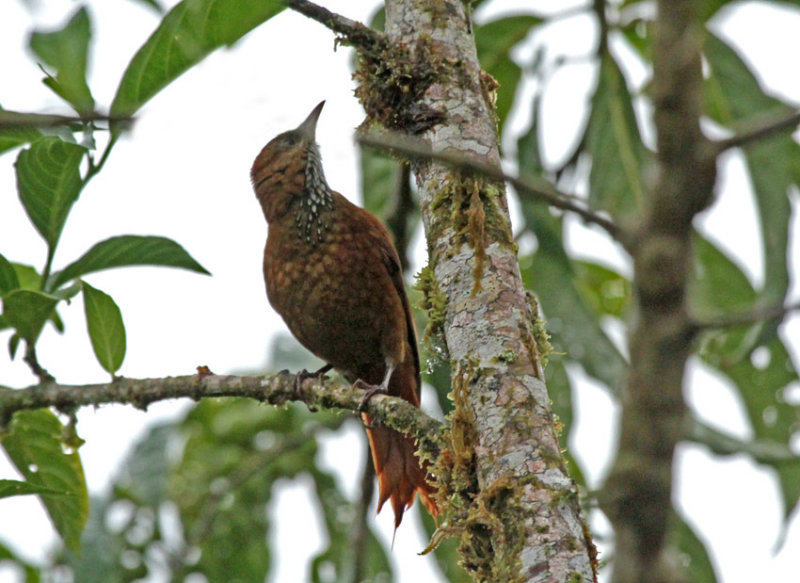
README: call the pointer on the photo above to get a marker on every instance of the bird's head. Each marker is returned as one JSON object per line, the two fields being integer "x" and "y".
{"x": 289, "y": 170}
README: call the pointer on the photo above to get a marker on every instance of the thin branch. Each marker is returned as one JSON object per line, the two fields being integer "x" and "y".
{"x": 359, "y": 529}
{"x": 416, "y": 149}
{"x": 751, "y": 317}
{"x": 277, "y": 389}
{"x": 15, "y": 120}
{"x": 352, "y": 32}
{"x": 761, "y": 131}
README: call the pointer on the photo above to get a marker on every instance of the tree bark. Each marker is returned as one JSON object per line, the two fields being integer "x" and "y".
{"x": 513, "y": 503}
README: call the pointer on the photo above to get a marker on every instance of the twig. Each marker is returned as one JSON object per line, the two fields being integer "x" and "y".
{"x": 33, "y": 363}
{"x": 359, "y": 530}
{"x": 13, "y": 120}
{"x": 759, "y": 132}
{"x": 751, "y": 317}
{"x": 277, "y": 389}
{"x": 416, "y": 149}
{"x": 353, "y": 32}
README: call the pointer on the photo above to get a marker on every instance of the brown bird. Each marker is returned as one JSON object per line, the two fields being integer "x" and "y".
{"x": 334, "y": 276}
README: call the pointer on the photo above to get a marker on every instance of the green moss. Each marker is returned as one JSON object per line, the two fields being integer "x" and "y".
{"x": 470, "y": 206}
{"x": 507, "y": 357}
{"x": 392, "y": 81}
{"x": 434, "y": 302}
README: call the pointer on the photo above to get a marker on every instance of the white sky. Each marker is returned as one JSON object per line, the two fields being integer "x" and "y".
{"x": 184, "y": 173}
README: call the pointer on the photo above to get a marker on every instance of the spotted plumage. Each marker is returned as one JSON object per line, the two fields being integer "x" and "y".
{"x": 334, "y": 276}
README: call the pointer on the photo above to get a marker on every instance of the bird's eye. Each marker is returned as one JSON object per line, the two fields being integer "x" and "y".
{"x": 289, "y": 140}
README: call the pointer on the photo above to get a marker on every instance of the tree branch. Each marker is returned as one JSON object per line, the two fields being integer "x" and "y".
{"x": 751, "y": 317}
{"x": 15, "y": 120}
{"x": 419, "y": 150}
{"x": 761, "y": 131}
{"x": 351, "y": 32}
{"x": 277, "y": 389}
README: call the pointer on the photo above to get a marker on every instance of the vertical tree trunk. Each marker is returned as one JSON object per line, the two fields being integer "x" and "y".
{"x": 637, "y": 496}
{"x": 515, "y": 506}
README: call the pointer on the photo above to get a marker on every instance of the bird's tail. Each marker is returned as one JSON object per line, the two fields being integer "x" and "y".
{"x": 400, "y": 474}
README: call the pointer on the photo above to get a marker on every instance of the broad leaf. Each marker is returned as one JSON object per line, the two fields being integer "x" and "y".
{"x": 760, "y": 367}
{"x": 13, "y": 137}
{"x": 34, "y": 444}
{"x": 606, "y": 291}
{"x": 695, "y": 561}
{"x": 189, "y": 32}
{"x": 27, "y": 311}
{"x": 49, "y": 183}
{"x": 66, "y": 51}
{"x": 18, "y": 488}
{"x": 8, "y": 276}
{"x": 550, "y": 273}
{"x": 126, "y": 250}
{"x": 106, "y": 328}
{"x": 616, "y": 181}
{"x": 379, "y": 179}
{"x": 494, "y": 41}
{"x": 736, "y": 99}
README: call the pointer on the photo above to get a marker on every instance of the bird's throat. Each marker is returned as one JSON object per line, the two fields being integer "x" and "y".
{"x": 315, "y": 202}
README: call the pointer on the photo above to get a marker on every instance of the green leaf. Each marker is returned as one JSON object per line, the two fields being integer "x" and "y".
{"x": 759, "y": 366}
{"x": 105, "y": 556}
{"x": 19, "y": 488}
{"x": 152, "y": 4}
{"x": 34, "y": 445}
{"x": 189, "y": 32}
{"x": 379, "y": 179}
{"x": 8, "y": 276}
{"x": 27, "y": 276}
{"x": 126, "y": 250}
{"x": 694, "y": 558}
{"x": 614, "y": 142}
{"x": 49, "y": 183}
{"x": 574, "y": 325}
{"x": 736, "y": 99}
{"x": 606, "y": 291}
{"x": 66, "y": 50}
{"x": 27, "y": 311}
{"x": 106, "y": 328}
{"x": 494, "y": 41}
{"x": 13, "y": 137}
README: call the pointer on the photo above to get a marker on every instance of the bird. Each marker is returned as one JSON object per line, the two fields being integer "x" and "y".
{"x": 334, "y": 276}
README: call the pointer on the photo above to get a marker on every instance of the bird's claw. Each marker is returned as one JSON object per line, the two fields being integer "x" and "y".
{"x": 303, "y": 375}
{"x": 369, "y": 392}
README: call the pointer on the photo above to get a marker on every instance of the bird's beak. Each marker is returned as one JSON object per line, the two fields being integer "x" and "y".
{"x": 308, "y": 128}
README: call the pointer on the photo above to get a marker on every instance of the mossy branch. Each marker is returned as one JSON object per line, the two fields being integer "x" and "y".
{"x": 351, "y": 32}
{"x": 277, "y": 389}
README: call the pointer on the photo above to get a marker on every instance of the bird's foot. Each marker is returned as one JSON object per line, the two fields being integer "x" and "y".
{"x": 303, "y": 375}
{"x": 369, "y": 392}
